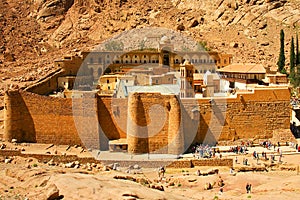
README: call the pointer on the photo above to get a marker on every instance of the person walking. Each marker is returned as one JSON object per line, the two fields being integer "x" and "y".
{"x": 248, "y": 188}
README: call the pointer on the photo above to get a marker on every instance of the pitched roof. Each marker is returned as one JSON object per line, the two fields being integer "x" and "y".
{"x": 244, "y": 68}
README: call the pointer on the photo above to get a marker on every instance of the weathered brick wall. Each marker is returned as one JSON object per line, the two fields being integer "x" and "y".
{"x": 254, "y": 115}
{"x": 34, "y": 118}
{"x": 213, "y": 162}
{"x": 112, "y": 115}
{"x": 180, "y": 164}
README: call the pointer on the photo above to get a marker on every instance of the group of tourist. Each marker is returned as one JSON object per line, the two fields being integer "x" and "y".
{"x": 267, "y": 144}
{"x": 206, "y": 151}
{"x": 294, "y": 146}
{"x": 238, "y": 149}
{"x": 294, "y": 101}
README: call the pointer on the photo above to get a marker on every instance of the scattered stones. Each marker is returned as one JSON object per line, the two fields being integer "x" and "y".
{"x": 180, "y": 27}
{"x": 89, "y": 168}
{"x": 143, "y": 181}
{"x": 129, "y": 178}
{"x": 105, "y": 168}
{"x": 9, "y": 57}
{"x": 262, "y": 25}
{"x": 194, "y": 24}
{"x": 157, "y": 187}
{"x": 233, "y": 45}
{"x": 2, "y": 146}
{"x": 53, "y": 192}
{"x": 70, "y": 165}
{"x": 130, "y": 194}
{"x": 7, "y": 160}
{"x": 51, "y": 162}
{"x": 171, "y": 183}
{"x": 136, "y": 167}
{"x": 265, "y": 44}
{"x": 213, "y": 171}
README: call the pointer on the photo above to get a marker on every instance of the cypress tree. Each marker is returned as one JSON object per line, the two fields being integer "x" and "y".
{"x": 292, "y": 58}
{"x": 297, "y": 51}
{"x": 281, "y": 59}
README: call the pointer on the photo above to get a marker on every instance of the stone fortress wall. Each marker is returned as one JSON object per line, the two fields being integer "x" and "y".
{"x": 93, "y": 119}
{"x": 34, "y": 118}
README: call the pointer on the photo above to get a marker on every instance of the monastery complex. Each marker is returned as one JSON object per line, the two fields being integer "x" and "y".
{"x": 150, "y": 100}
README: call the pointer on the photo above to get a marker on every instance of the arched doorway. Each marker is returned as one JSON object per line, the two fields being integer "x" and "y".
{"x": 166, "y": 58}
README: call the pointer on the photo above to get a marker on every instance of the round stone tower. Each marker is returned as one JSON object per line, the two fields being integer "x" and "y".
{"x": 17, "y": 120}
{"x": 175, "y": 132}
{"x": 137, "y": 134}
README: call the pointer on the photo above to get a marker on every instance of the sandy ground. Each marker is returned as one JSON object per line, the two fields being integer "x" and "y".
{"x": 26, "y": 178}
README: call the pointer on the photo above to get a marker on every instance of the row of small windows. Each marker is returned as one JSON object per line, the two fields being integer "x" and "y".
{"x": 243, "y": 76}
{"x": 146, "y": 60}
{"x": 91, "y": 61}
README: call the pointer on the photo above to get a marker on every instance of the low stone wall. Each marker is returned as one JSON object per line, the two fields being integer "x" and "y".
{"x": 141, "y": 163}
{"x": 180, "y": 164}
{"x": 213, "y": 162}
{"x": 47, "y": 157}
{"x": 10, "y": 153}
{"x": 123, "y": 163}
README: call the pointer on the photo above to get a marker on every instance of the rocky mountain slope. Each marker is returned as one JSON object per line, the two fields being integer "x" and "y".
{"x": 35, "y": 32}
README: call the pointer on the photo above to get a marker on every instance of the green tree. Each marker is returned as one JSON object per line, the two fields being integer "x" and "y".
{"x": 142, "y": 45}
{"x": 281, "y": 59}
{"x": 114, "y": 46}
{"x": 297, "y": 51}
{"x": 292, "y": 59}
{"x": 296, "y": 80}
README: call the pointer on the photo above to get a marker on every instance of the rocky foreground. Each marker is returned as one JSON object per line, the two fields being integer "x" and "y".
{"x": 27, "y": 178}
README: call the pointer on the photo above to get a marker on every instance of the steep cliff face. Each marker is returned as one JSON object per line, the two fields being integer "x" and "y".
{"x": 34, "y": 32}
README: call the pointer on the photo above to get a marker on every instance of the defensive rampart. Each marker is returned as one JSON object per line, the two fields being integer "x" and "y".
{"x": 33, "y": 118}
{"x": 168, "y": 127}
